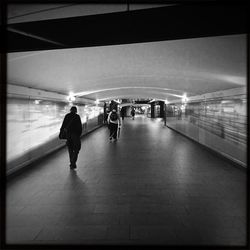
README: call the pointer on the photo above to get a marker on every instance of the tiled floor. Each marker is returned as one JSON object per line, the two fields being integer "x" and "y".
{"x": 152, "y": 186}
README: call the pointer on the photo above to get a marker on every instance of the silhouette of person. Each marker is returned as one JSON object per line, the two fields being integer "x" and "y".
{"x": 114, "y": 121}
{"x": 133, "y": 113}
{"x": 123, "y": 113}
{"x": 72, "y": 122}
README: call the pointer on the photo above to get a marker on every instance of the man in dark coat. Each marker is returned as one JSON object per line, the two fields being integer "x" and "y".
{"x": 133, "y": 113}
{"x": 72, "y": 122}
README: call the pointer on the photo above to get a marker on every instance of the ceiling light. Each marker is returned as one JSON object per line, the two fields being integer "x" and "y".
{"x": 71, "y": 97}
{"x": 184, "y": 98}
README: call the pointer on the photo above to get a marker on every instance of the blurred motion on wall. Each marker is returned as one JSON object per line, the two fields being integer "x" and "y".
{"x": 31, "y": 123}
{"x": 219, "y": 123}
{"x": 226, "y": 118}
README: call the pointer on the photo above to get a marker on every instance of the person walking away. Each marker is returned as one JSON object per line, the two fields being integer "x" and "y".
{"x": 72, "y": 122}
{"x": 133, "y": 113}
{"x": 114, "y": 122}
{"x": 106, "y": 118}
{"x": 123, "y": 113}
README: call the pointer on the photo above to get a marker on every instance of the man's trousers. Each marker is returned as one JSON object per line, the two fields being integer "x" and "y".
{"x": 74, "y": 146}
{"x": 113, "y": 130}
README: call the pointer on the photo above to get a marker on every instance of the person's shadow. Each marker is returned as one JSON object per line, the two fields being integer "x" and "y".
{"x": 74, "y": 181}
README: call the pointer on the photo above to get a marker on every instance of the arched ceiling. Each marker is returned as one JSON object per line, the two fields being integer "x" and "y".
{"x": 160, "y": 70}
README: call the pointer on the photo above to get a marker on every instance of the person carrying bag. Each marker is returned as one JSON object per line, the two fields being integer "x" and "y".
{"x": 71, "y": 130}
{"x": 114, "y": 122}
{"x": 64, "y": 132}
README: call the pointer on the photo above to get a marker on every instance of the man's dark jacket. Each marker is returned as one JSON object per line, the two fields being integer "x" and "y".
{"x": 75, "y": 124}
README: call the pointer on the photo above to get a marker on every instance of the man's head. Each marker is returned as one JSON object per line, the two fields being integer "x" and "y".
{"x": 113, "y": 110}
{"x": 73, "y": 109}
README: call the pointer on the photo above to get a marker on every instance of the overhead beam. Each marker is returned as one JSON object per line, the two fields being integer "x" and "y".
{"x": 34, "y": 36}
{"x": 148, "y": 25}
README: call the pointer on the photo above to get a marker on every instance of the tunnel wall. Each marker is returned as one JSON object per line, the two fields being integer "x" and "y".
{"x": 34, "y": 118}
{"x": 216, "y": 120}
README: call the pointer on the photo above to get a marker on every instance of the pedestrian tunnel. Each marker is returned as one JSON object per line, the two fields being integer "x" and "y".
{"x": 216, "y": 120}
{"x": 195, "y": 83}
{"x": 170, "y": 178}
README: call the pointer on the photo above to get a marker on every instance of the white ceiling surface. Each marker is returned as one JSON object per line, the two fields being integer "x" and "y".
{"x": 160, "y": 70}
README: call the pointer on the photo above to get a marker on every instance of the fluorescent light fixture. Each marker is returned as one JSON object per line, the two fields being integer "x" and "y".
{"x": 71, "y": 97}
{"x": 184, "y": 98}
{"x": 226, "y": 101}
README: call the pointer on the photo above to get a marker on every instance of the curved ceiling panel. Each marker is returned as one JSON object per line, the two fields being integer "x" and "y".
{"x": 133, "y": 92}
{"x": 194, "y": 66}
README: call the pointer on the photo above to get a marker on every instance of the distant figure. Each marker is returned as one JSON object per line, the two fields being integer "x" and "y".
{"x": 106, "y": 117}
{"x": 114, "y": 122}
{"x": 72, "y": 122}
{"x": 133, "y": 113}
{"x": 179, "y": 114}
{"x": 123, "y": 113}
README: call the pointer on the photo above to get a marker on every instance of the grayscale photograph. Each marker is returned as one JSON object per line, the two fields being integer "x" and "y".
{"x": 126, "y": 124}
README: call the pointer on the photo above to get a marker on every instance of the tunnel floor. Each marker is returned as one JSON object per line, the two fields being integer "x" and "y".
{"x": 152, "y": 186}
